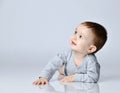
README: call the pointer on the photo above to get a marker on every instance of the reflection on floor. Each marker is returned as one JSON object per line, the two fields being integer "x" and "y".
{"x": 19, "y": 78}
{"x": 74, "y": 87}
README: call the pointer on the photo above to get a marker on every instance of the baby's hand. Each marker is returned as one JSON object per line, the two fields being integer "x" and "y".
{"x": 67, "y": 78}
{"x": 41, "y": 81}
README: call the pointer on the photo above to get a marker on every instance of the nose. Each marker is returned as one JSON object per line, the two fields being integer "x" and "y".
{"x": 74, "y": 36}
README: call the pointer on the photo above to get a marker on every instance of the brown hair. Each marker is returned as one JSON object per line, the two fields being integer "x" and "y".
{"x": 100, "y": 33}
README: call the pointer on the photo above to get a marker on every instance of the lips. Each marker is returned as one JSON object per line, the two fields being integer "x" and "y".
{"x": 73, "y": 43}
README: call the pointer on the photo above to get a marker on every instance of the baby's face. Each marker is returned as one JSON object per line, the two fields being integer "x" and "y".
{"x": 82, "y": 39}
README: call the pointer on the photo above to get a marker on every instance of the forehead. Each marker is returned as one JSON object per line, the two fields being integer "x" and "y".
{"x": 84, "y": 30}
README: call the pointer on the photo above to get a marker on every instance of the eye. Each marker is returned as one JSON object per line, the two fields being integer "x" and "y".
{"x": 80, "y": 36}
{"x": 75, "y": 32}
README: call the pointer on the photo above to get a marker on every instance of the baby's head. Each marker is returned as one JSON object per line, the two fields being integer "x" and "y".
{"x": 89, "y": 37}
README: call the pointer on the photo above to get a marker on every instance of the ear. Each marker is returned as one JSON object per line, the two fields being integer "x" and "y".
{"x": 92, "y": 49}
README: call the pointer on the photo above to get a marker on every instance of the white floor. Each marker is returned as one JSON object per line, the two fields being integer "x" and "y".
{"x": 19, "y": 78}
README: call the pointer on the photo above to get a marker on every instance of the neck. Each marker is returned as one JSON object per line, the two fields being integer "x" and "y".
{"x": 78, "y": 58}
{"x": 78, "y": 55}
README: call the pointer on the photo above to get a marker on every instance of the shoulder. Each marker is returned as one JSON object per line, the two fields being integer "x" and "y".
{"x": 65, "y": 55}
{"x": 92, "y": 58}
{"x": 92, "y": 61}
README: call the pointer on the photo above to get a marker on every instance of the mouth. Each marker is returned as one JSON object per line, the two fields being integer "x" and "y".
{"x": 73, "y": 43}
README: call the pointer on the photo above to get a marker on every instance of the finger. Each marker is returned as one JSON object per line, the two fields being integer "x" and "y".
{"x": 42, "y": 83}
{"x": 36, "y": 82}
{"x": 46, "y": 82}
{"x": 33, "y": 83}
{"x": 39, "y": 83}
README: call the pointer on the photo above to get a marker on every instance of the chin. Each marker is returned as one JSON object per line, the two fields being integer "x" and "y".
{"x": 73, "y": 48}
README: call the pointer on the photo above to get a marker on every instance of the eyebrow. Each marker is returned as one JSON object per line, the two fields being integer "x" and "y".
{"x": 75, "y": 29}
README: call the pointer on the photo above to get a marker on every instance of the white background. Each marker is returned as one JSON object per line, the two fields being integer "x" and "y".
{"x": 33, "y": 31}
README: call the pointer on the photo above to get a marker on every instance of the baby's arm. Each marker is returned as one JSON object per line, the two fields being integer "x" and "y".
{"x": 64, "y": 78}
{"x": 48, "y": 71}
{"x": 92, "y": 74}
{"x": 51, "y": 67}
{"x": 69, "y": 78}
{"x": 41, "y": 81}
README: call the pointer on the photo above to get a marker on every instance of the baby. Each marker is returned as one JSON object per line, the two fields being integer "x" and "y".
{"x": 79, "y": 63}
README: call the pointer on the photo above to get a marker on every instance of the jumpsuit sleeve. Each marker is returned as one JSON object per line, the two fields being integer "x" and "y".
{"x": 92, "y": 74}
{"x": 53, "y": 65}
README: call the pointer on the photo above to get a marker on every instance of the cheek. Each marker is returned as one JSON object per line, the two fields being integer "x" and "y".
{"x": 83, "y": 45}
